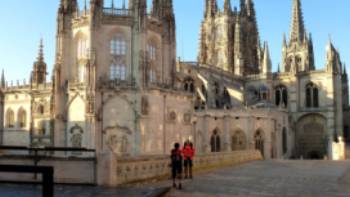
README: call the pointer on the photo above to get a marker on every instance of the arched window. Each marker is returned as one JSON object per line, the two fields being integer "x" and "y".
{"x": 217, "y": 88}
{"x": 42, "y": 128}
{"x": 10, "y": 118}
{"x": 312, "y": 96}
{"x": 117, "y": 72}
{"x": 281, "y": 96}
{"x": 81, "y": 72}
{"x": 152, "y": 52}
{"x": 215, "y": 142}
{"x": 284, "y": 141}
{"x": 189, "y": 85}
{"x": 259, "y": 142}
{"x": 118, "y": 45}
{"x": 264, "y": 91}
{"x": 82, "y": 48}
{"x": 41, "y": 109}
{"x": 22, "y": 118}
{"x": 152, "y": 76}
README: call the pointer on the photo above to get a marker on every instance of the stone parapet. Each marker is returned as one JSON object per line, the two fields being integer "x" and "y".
{"x": 130, "y": 170}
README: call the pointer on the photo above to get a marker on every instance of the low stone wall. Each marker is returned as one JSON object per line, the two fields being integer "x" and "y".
{"x": 347, "y": 152}
{"x": 66, "y": 170}
{"x": 131, "y": 170}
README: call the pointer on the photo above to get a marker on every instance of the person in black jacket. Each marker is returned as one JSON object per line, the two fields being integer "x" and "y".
{"x": 176, "y": 164}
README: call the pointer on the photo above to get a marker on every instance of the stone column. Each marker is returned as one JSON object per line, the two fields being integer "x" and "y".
{"x": 106, "y": 169}
{"x": 227, "y": 143}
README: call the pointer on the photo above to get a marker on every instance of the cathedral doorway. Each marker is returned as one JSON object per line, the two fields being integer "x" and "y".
{"x": 311, "y": 136}
{"x": 259, "y": 141}
{"x": 238, "y": 141}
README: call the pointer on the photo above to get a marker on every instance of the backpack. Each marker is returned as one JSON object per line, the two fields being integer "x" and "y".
{"x": 176, "y": 156}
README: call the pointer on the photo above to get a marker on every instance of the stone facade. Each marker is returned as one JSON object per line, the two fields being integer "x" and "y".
{"x": 117, "y": 87}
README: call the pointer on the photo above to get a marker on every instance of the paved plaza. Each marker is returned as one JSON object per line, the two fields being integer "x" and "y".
{"x": 260, "y": 179}
{"x": 273, "y": 178}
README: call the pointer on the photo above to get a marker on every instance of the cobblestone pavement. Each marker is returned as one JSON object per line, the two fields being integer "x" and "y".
{"x": 273, "y": 178}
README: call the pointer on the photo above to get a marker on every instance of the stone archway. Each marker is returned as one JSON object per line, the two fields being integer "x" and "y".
{"x": 238, "y": 141}
{"x": 311, "y": 136}
{"x": 215, "y": 141}
{"x": 259, "y": 141}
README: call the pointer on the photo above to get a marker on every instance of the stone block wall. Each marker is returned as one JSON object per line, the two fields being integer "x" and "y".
{"x": 131, "y": 170}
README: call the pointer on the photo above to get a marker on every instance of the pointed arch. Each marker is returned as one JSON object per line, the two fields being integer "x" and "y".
{"x": 10, "y": 118}
{"x": 311, "y": 95}
{"x": 259, "y": 139}
{"x": 215, "y": 141}
{"x": 22, "y": 118}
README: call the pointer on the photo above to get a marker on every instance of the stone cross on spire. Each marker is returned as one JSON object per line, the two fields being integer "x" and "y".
{"x": 297, "y": 26}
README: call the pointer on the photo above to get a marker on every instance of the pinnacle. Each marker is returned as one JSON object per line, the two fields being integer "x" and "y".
{"x": 41, "y": 51}
{"x": 297, "y": 27}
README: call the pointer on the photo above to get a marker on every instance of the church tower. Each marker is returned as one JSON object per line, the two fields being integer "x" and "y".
{"x": 297, "y": 55}
{"x": 229, "y": 40}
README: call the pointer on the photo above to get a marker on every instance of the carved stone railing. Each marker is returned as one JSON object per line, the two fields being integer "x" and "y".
{"x": 116, "y": 12}
{"x": 131, "y": 170}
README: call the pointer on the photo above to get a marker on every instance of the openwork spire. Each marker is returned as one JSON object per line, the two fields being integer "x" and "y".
{"x": 211, "y": 8}
{"x": 227, "y": 7}
{"x": 266, "y": 64}
{"x": 39, "y": 69}
{"x": 40, "y": 57}
{"x": 297, "y": 28}
{"x": 3, "y": 83}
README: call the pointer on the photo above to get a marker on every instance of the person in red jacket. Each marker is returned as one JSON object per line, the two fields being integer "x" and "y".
{"x": 188, "y": 152}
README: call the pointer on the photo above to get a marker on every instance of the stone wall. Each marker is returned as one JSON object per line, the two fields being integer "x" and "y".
{"x": 66, "y": 170}
{"x": 156, "y": 167}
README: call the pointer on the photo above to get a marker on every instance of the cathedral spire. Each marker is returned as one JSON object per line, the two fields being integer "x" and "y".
{"x": 227, "y": 7}
{"x": 242, "y": 6}
{"x": 250, "y": 8}
{"x": 39, "y": 70}
{"x": 333, "y": 64}
{"x": 3, "y": 83}
{"x": 297, "y": 26}
{"x": 266, "y": 63}
{"x": 41, "y": 51}
{"x": 284, "y": 44}
{"x": 211, "y": 8}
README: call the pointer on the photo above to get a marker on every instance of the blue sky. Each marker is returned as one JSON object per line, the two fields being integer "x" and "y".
{"x": 23, "y": 22}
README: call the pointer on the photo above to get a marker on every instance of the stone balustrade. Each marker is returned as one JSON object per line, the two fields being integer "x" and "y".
{"x": 131, "y": 170}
